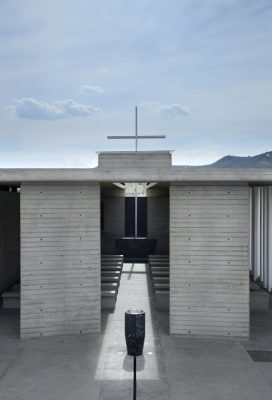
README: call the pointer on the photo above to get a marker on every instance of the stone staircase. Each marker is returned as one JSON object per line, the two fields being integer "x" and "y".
{"x": 111, "y": 269}
{"x": 159, "y": 272}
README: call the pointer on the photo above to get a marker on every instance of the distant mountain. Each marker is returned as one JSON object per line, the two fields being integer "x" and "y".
{"x": 260, "y": 161}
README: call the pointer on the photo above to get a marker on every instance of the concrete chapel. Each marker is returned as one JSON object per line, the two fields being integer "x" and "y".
{"x": 62, "y": 230}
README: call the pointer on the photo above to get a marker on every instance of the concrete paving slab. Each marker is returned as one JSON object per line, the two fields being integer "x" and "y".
{"x": 53, "y": 370}
{"x": 266, "y": 369}
{"x": 214, "y": 374}
{"x": 96, "y": 367}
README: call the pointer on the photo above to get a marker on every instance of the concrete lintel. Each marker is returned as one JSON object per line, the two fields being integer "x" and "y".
{"x": 181, "y": 175}
{"x": 145, "y": 152}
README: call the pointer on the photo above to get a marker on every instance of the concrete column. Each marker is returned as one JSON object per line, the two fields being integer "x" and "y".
{"x": 250, "y": 229}
{"x": 257, "y": 238}
{"x": 265, "y": 236}
{"x": 209, "y": 236}
{"x": 60, "y": 259}
{"x": 269, "y": 239}
{"x": 256, "y": 232}
{"x": 261, "y": 233}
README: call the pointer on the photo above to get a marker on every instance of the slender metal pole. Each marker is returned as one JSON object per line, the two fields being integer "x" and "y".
{"x": 136, "y": 209}
{"x": 250, "y": 229}
{"x": 136, "y": 128}
{"x": 136, "y": 188}
{"x": 134, "y": 379}
{"x": 261, "y": 234}
{"x": 269, "y": 239}
{"x": 265, "y": 195}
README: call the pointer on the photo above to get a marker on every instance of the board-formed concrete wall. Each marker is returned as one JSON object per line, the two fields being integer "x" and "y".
{"x": 60, "y": 259}
{"x": 209, "y": 271}
{"x": 158, "y": 218}
{"x": 132, "y": 160}
{"x": 9, "y": 239}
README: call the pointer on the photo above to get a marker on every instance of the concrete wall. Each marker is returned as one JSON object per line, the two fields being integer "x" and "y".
{"x": 60, "y": 259}
{"x": 209, "y": 277}
{"x": 114, "y": 218}
{"x": 9, "y": 239}
{"x": 131, "y": 160}
{"x": 158, "y": 218}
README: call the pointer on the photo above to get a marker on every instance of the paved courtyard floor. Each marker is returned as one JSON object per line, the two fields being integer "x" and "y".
{"x": 93, "y": 367}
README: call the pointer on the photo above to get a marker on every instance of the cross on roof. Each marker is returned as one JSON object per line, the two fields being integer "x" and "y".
{"x": 136, "y": 137}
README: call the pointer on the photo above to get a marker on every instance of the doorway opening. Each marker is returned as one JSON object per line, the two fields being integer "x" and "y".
{"x": 135, "y": 230}
{"x": 9, "y": 261}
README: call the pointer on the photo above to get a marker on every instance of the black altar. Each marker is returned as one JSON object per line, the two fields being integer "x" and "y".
{"x": 135, "y": 248}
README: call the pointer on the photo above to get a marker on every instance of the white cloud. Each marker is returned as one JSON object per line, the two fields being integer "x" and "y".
{"x": 150, "y": 104}
{"x": 167, "y": 111}
{"x": 103, "y": 70}
{"x": 174, "y": 111}
{"x": 91, "y": 89}
{"x": 30, "y": 108}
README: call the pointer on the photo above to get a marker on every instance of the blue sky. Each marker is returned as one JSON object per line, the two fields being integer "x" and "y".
{"x": 72, "y": 72}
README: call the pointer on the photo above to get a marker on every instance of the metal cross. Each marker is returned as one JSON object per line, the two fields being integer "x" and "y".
{"x": 136, "y": 137}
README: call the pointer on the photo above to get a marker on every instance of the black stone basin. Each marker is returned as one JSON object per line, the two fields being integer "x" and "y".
{"x": 135, "y": 332}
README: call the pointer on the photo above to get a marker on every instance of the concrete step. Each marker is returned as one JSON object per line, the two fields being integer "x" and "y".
{"x": 108, "y": 299}
{"x": 159, "y": 272}
{"x": 110, "y": 268}
{"x": 111, "y": 262}
{"x": 109, "y": 286}
{"x": 159, "y": 268}
{"x": 161, "y": 286}
{"x": 110, "y": 279}
{"x": 11, "y": 299}
{"x": 112, "y": 255}
{"x": 105, "y": 279}
{"x": 112, "y": 258}
{"x": 160, "y": 279}
{"x": 111, "y": 273}
{"x": 109, "y": 293}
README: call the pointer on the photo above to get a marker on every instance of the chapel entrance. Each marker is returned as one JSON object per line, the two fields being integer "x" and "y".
{"x": 135, "y": 229}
